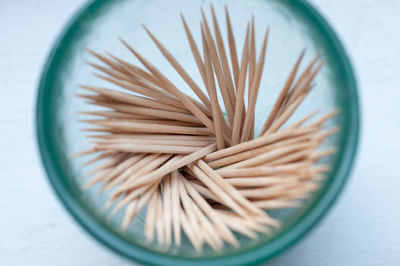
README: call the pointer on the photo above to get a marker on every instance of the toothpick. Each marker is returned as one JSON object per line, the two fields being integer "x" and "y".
{"x": 218, "y": 70}
{"x": 263, "y": 170}
{"x": 282, "y": 94}
{"x": 222, "y": 227}
{"x": 151, "y": 218}
{"x": 136, "y": 127}
{"x": 232, "y": 48}
{"x": 229, "y": 189}
{"x": 217, "y": 113}
{"x": 223, "y": 58}
{"x": 257, "y": 151}
{"x": 277, "y": 204}
{"x": 133, "y": 99}
{"x": 166, "y": 168}
{"x": 185, "y": 100}
{"x": 167, "y": 203}
{"x": 268, "y": 156}
{"x": 176, "y": 208}
{"x": 237, "y": 123}
{"x": 181, "y": 71}
{"x": 249, "y": 120}
{"x": 252, "y": 144}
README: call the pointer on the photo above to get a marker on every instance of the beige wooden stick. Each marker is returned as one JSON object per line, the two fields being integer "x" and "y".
{"x": 83, "y": 152}
{"x": 132, "y": 99}
{"x": 201, "y": 67}
{"x": 176, "y": 208}
{"x": 237, "y": 122}
{"x": 264, "y": 170}
{"x": 211, "y": 236}
{"x": 252, "y": 144}
{"x": 122, "y": 166}
{"x": 326, "y": 117}
{"x": 250, "y": 224}
{"x": 153, "y": 85}
{"x": 159, "y": 218}
{"x": 285, "y": 115}
{"x": 304, "y": 80}
{"x": 115, "y": 114}
{"x": 257, "y": 151}
{"x": 271, "y": 155}
{"x": 222, "y": 227}
{"x": 187, "y": 206}
{"x": 97, "y": 178}
{"x": 148, "y": 148}
{"x": 226, "y": 198}
{"x": 223, "y": 58}
{"x": 195, "y": 51}
{"x": 168, "y": 142}
{"x": 132, "y": 74}
{"x": 205, "y": 192}
{"x": 146, "y": 113}
{"x": 168, "y": 167}
{"x": 276, "y": 191}
{"x": 167, "y": 209}
{"x": 252, "y": 58}
{"x": 218, "y": 70}
{"x": 227, "y": 131}
{"x": 151, "y": 218}
{"x": 232, "y": 48}
{"x": 132, "y": 194}
{"x": 140, "y": 76}
{"x": 282, "y": 95}
{"x": 143, "y": 200}
{"x": 138, "y": 110}
{"x": 185, "y": 100}
{"x": 92, "y": 97}
{"x": 238, "y": 225}
{"x": 181, "y": 71}
{"x": 107, "y": 61}
{"x": 304, "y": 75}
{"x": 145, "y": 160}
{"x": 152, "y": 120}
{"x": 249, "y": 119}
{"x": 158, "y": 137}
{"x": 316, "y": 156}
{"x": 300, "y": 122}
{"x": 109, "y": 162}
{"x": 133, "y": 77}
{"x": 133, "y": 127}
{"x": 240, "y": 182}
{"x": 158, "y": 95}
{"x": 189, "y": 231}
{"x": 233, "y": 192}
{"x": 321, "y": 136}
{"x": 267, "y": 192}
{"x": 216, "y": 109}
{"x": 146, "y": 120}
{"x": 129, "y": 213}
{"x": 98, "y": 158}
{"x": 293, "y": 157}
{"x": 277, "y": 204}
{"x": 306, "y": 84}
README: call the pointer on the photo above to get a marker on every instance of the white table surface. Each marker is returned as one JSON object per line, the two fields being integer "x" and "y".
{"x": 363, "y": 228}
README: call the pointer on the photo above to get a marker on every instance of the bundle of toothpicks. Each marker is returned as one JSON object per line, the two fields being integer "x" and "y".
{"x": 196, "y": 164}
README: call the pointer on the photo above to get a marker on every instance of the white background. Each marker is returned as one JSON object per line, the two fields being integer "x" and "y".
{"x": 362, "y": 229}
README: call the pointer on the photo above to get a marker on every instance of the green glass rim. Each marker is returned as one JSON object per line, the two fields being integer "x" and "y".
{"x": 255, "y": 255}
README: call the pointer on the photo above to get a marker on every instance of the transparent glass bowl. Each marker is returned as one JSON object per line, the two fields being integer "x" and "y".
{"x": 294, "y": 25}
